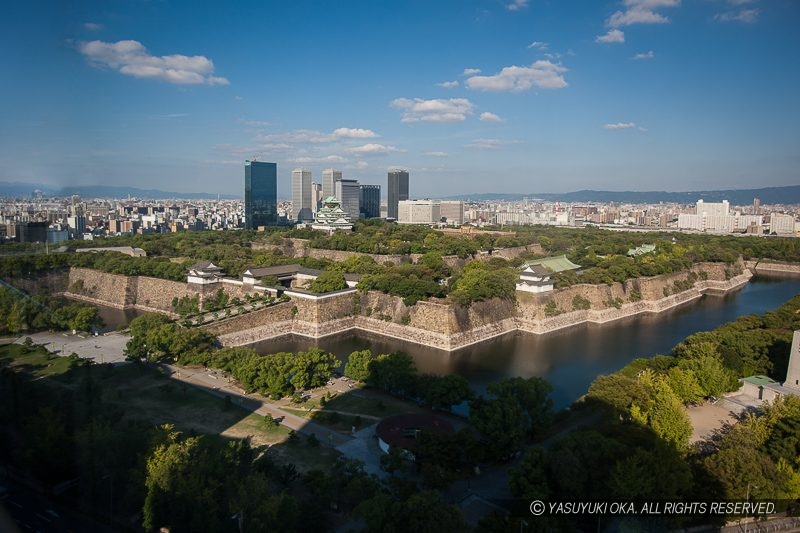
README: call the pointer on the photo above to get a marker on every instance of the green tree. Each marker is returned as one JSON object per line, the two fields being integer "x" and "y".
{"x": 532, "y": 395}
{"x": 501, "y": 423}
{"x": 313, "y": 368}
{"x": 650, "y": 474}
{"x": 328, "y": 281}
{"x": 479, "y": 282}
{"x": 357, "y": 366}
{"x": 528, "y": 480}
{"x": 684, "y": 383}
{"x": 714, "y": 379}
{"x": 447, "y": 391}
{"x": 394, "y": 373}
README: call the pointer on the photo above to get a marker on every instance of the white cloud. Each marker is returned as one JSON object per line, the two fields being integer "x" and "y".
{"x": 448, "y": 84}
{"x": 436, "y": 154}
{"x": 92, "y": 26}
{"x": 542, "y": 74}
{"x": 490, "y": 117}
{"x": 315, "y": 160}
{"x": 132, "y": 58}
{"x": 314, "y": 136}
{"x": 747, "y": 16}
{"x": 740, "y": 2}
{"x": 539, "y": 45}
{"x": 613, "y": 36}
{"x": 619, "y": 126}
{"x": 489, "y": 144}
{"x": 471, "y": 71}
{"x": 373, "y": 149}
{"x": 276, "y": 147}
{"x": 435, "y": 110}
{"x": 254, "y": 123}
{"x": 641, "y": 12}
{"x": 297, "y": 136}
{"x": 645, "y": 55}
{"x": 360, "y": 164}
{"x": 516, "y": 5}
{"x": 354, "y": 133}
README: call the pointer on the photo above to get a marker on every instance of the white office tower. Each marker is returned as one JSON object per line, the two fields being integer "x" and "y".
{"x": 301, "y": 195}
{"x": 329, "y": 177}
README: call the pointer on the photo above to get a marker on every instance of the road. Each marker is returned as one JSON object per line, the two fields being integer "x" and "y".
{"x": 218, "y": 384}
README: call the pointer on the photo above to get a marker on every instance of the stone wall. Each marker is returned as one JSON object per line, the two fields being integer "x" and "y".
{"x": 43, "y": 282}
{"x": 513, "y": 253}
{"x": 279, "y": 313}
{"x": 114, "y": 289}
{"x": 772, "y": 267}
{"x": 157, "y": 293}
{"x": 124, "y": 292}
{"x": 433, "y": 323}
{"x": 324, "y": 309}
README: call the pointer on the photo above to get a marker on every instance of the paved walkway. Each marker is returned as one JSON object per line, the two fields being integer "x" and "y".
{"x": 364, "y": 447}
{"x": 218, "y": 384}
{"x": 106, "y": 348}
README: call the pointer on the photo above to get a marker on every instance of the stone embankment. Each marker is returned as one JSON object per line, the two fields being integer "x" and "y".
{"x": 771, "y": 267}
{"x": 434, "y": 323}
{"x": 447, "y": 327}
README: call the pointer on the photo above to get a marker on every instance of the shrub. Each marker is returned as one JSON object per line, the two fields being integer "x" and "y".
{"x": 580, "y": 303}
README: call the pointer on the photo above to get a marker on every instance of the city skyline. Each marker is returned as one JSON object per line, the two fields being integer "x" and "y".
{"x": 620, "y": 95}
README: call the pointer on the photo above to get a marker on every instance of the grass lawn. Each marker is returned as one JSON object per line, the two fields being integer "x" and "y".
{"x": 35, "y": 361}
{"x": 144, "y": 393}
{"x": 305, "y": 456}
{"x": 371, "y": 403}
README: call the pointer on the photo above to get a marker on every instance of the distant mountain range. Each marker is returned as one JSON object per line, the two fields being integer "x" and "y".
{"x": 24, "y": 190}
{"x": 767, "y": 195}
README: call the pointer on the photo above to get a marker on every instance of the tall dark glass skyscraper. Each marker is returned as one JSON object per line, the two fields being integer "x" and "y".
{"x": 370, "y": 201}
{"x": 260, "y": 194}
{"x": 397, "y": 190}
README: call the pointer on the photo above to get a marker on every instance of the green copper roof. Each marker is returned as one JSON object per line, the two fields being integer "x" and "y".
{"x": 759, "y": 380}
{"x": 555, "y": 264}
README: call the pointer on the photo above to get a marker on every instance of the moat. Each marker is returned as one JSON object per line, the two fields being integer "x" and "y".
{"x": 569, "y": 359}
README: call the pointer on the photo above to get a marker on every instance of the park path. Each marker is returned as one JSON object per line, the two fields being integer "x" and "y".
{"x": 220, "y": 385}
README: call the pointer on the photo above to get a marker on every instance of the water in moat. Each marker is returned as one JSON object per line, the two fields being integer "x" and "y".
{"x": 569, "y": 359}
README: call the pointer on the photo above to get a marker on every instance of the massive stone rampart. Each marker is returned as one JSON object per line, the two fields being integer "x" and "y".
{"x": 124, "y": 292}
{"x": 768, "y": 267}
{"x": 435, "y": 323}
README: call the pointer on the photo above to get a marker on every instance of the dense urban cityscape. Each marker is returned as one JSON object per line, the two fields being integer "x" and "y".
{"x": 54, "y": 220}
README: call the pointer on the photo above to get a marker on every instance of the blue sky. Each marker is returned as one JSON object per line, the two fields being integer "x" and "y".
{"x": 470, "y": 96}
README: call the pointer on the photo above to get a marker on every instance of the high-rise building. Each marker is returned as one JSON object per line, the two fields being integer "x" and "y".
{"x": 260, "y": 194}
{"x": 397, "y": 190}
{"x": 329, "y": 176}
{"x": 316, "y": 196}
{"x": 370, "y": 201}
{"x": 348, "y": 193}
{"x": 301, "y": 195}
